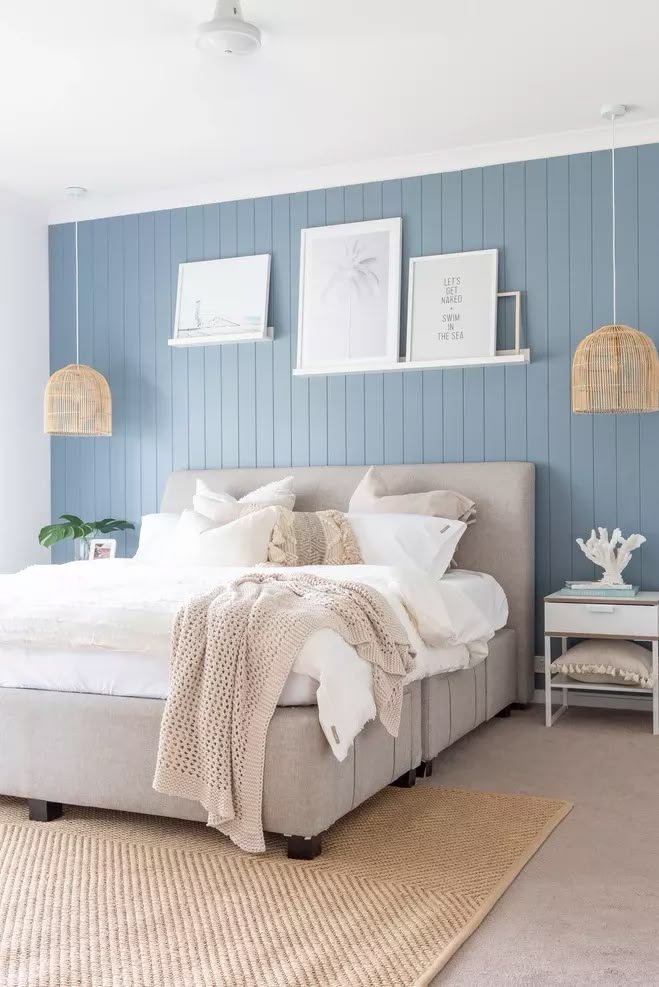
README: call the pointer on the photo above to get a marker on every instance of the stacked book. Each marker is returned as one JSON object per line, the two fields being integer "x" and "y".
{"x": 575, "y": 587}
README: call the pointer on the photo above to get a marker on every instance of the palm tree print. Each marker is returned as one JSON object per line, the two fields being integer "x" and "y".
{"x": 353, "y": 278}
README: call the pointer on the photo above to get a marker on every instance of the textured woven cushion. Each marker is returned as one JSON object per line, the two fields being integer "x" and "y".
{"x": 320, "y": 538}
{"x": 372, "y": 496}
{"x": 613, "y": 662}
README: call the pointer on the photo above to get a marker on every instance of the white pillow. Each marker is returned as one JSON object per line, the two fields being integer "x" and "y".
{"x": 279, "y": 493}
{"x": 411, "y": 541}
{"x": 156, "y": 544}
{"x": 221, "y": 511}
{"x": 373, "y": 496}
{"x": 243, "y": 542}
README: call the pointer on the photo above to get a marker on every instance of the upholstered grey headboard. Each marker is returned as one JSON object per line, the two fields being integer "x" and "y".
{"x": 502, "y": 542}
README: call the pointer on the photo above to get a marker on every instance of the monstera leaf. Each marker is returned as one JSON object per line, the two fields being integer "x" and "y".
{"x": 110, "y": 524}
{"x": 71, "y": 526}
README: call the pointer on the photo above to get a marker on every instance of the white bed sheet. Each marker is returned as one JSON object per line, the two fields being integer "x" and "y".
{"x": 116, "y": 673}
{"x": 145, "y": 675}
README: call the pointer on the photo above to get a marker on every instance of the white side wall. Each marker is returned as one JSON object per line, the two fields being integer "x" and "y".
{"x": 24, "y": 368}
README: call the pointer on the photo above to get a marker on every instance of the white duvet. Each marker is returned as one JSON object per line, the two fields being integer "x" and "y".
{"x": 121, "y": 605}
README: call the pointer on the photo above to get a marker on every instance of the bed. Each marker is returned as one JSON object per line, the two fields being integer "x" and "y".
{"x": 99, "y": 749}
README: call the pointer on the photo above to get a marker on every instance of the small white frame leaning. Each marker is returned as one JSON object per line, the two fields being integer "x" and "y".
{"x": 102, "y": 548}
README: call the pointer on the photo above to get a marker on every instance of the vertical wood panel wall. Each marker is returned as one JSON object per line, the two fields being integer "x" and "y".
{"x": 238, "y": 405}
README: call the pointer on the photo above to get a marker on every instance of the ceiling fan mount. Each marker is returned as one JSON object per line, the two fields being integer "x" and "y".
{"x": 227, "y": 33}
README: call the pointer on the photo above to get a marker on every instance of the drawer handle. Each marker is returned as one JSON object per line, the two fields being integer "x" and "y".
{"x": 594, "y": 608}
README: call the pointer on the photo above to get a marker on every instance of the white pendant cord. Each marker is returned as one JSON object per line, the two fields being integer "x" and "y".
{"x": 613, "y": 212}
{"x": 77, "y": 301}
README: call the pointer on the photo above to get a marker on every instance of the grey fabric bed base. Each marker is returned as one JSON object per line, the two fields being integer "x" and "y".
{"x": 100, "y": 751}
{"x": 453, "y": 705}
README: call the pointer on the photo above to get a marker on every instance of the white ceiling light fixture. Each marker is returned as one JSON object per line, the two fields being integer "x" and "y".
{"x": 228, "y": 33}
{"x": 75, "y": 191}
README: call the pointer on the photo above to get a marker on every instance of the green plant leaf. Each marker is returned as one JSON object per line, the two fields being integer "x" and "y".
{"x": 109, "y": 524}
{"x": 71, "y": 526}
{"x": 48, "y": 534}
{"x": 48, "y": 540}
{"x": 54, "y": 533}
{"x": 47, "y": 528}
{"x": 72, "y": 518}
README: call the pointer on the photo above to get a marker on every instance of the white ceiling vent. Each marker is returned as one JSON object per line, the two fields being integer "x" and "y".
{"x": 228, "y": 33}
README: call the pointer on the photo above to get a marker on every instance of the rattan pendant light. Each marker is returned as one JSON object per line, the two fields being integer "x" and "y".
{"x": 77, "y": 399}
{"x": 615, "y": 370}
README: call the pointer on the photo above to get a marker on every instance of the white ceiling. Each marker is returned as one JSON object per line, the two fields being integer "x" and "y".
{"x": 115, "y": 95}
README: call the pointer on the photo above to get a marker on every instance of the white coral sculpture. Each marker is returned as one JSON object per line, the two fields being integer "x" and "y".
{"x": 602, "y": 551}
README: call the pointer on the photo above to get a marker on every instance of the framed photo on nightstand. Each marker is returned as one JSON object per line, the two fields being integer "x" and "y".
{"x": 102, "y": 548}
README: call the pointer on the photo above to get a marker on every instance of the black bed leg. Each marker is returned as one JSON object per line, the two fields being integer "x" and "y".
{"x": 504, "y": 713}
{"x": 304, "y": 847}
{"x": 408, "y": 780}
{"x": 41, "y": 811}
{"x": 424, "y": 770}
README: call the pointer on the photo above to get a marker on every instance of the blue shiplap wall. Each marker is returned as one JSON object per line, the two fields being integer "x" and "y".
{"x": 239, "y": 405}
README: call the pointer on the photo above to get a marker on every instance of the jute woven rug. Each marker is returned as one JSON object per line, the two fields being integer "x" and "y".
{"x": 103, "y": 899}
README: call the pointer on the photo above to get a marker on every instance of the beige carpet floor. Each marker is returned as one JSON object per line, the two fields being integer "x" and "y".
{"x": 585, "y": 909}
{"x": 102, "y": 899}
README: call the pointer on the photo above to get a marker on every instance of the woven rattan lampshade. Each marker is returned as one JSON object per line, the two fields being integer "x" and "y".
{"x": 615, "y": 370}
{"x": 78, "y": 402}
{"x": 77, "y": 399}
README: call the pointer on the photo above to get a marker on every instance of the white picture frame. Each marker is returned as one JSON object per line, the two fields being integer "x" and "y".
{"x": 452, "y": 306}
{"x": 102, "y": 548}
{"x": 222, "y": 301}
{"x": 349, "y": 304}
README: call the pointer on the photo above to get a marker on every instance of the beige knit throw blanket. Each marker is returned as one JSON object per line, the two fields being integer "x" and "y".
{"x": 232, "y": 651}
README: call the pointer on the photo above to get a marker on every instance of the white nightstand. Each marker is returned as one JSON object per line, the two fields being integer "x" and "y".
{"x": 633, "y": 619}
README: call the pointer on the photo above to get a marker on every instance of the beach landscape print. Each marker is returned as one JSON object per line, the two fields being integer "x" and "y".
{"x": 349, "y": 295}
{"x": 223, "y": 300}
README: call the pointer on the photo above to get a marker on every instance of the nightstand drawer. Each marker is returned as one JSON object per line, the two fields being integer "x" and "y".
{"x": 610, "y": 619}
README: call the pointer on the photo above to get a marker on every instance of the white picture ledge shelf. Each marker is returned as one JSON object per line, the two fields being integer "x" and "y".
{"x": 228, "y": 338}
{"x": 503, "y": 358}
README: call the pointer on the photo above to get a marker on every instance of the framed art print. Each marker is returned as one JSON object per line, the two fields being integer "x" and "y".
{"x": 222, "y": 300}
{"x": 349, "y": 309}
{"x": 452, "y": 306}
{"x": 102, "y": 548}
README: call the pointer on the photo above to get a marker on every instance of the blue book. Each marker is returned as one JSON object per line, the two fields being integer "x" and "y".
{"x": 574, "y": 588}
